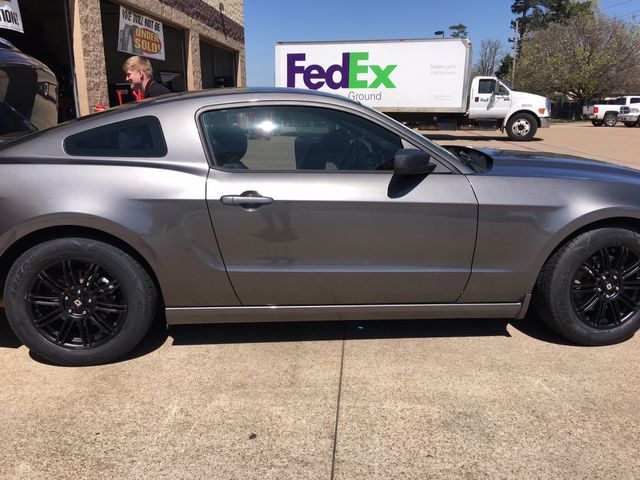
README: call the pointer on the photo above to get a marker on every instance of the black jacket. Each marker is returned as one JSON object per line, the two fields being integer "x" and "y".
{"x": 153, "y": 89}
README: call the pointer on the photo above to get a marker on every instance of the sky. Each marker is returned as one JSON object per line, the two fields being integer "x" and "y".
{"x": 271, "y": 21}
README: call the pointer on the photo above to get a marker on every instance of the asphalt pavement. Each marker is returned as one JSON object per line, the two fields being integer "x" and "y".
{"x": 434, "y": 399}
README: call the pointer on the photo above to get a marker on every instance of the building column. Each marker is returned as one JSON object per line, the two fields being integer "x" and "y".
{"x": 88, "y": 54}
{"x": 194, "y": 71}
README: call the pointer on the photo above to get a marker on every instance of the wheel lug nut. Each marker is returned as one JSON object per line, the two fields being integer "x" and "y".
{"x": 70, "y": 311}
{"x": 89, "y": 301}
{"x": 84, "y": 312}
{"x": 66, "y": 298}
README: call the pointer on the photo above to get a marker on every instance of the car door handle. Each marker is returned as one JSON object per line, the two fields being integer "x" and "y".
{"x": 246, "y": 199}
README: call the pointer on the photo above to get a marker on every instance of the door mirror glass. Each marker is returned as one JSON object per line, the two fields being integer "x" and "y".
{"x": 411, "y": 161}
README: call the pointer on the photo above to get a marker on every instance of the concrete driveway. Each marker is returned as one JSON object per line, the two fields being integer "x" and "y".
{"x": 389, "y": 399}
{"x": 618, "y": 144}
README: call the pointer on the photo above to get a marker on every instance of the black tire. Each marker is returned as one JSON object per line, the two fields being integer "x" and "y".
{"x": 596, "y": 123}
{"x": 522, "y": 127}
{"x": 610, "y": 119}
{"x": 630, "y": 124}
{"x": 77, "y": 301}
{"x": 589, "y": 290}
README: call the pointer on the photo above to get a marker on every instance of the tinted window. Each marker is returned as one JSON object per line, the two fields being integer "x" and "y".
{"x": 140, "y": 137}
{"x": 487, "y": 86}
{"x": 635, "y": 100}
{"x": 297, "y": 138}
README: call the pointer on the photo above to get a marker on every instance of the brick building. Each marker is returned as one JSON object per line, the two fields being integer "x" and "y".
{"x": 202, "y": 45}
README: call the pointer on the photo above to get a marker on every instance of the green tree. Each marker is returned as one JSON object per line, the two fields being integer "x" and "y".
{"x": 504, "y": 70}
{"x": 586, "y": 57}
{"x": 459, "y": 30}
{"x": 535, "y": 15}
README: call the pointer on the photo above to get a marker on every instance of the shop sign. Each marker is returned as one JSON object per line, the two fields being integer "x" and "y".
{"x": 10, "y": 15}
{"x": 140, "y": 35}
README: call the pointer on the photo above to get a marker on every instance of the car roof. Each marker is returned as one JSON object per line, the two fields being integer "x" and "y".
{"x": 259, "y": 92}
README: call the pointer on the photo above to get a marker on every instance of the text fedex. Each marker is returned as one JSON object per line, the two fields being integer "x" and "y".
{"x": 352, "y": 73}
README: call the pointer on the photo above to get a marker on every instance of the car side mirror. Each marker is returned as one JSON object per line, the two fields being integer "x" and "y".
{"x": 411, "y": 161}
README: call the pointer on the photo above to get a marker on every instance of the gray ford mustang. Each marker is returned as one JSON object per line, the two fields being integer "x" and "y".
{"x": 283, "y": 205}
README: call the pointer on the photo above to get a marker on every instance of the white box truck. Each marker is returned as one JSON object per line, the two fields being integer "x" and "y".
{"x": 418, "y": 82}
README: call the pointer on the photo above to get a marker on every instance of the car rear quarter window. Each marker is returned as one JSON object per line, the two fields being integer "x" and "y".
{"x": 138, "y": 137}
{"x": 297, "y": 138}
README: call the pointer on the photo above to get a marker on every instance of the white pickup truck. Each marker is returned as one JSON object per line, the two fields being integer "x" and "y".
{"x": 606, "y": 112}
{"x": 630, "y": 115}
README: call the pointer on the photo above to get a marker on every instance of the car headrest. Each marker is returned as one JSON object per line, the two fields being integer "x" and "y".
{"x": 335, "y": 142}
{"x": 229, "y": 143}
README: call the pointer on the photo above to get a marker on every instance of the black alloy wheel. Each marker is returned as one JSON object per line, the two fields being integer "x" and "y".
{"x": 79, "y": 301}
{"x": 606, "y": 288}
{"x": 76, "y": 303}
{"x": 589, "y": 289}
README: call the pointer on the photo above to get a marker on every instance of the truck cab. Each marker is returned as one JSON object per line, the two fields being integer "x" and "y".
{"x": 521, "y": 114}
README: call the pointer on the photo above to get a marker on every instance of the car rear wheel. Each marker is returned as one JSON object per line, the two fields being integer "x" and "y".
{"x": 610, "y": 119}
{"x": 630, "y": 124}
{"x": 522, "y": 127}
{"x": 77, "y": 301}
{"x": 589, "y": 290}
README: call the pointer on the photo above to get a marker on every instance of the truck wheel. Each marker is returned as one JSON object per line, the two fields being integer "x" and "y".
{"x": 630, "y": 124}
{"x": 596, "y": 123}
{"x": 610, "y": 119}
{"x": 77, "y": 301}
{"x": 522, "y": 127}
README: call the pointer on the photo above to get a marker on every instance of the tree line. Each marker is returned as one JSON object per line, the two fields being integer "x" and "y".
{"x": 564, "y": 49}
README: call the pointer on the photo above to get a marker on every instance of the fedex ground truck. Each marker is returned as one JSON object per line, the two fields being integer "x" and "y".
{"x": 418, "y": 82}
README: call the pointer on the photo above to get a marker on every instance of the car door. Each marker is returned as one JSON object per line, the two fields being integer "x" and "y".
{"x": 307, "y": 211}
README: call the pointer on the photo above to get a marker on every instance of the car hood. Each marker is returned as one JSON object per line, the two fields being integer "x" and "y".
{"x": 549, "y": 165}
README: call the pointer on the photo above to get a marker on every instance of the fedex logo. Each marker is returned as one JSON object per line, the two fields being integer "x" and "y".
{"x": 350, "y": 73}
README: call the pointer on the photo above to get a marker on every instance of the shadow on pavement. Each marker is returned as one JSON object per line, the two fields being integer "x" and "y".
{"x": 7, "y": 337}
{"x": 184, "y": 335}
{"x": 533, "y": 326}
{"x": 312, "y": 331}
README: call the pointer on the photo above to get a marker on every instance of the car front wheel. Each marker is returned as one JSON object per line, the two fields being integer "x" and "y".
{"x": 77, "y": 301}
{"x": 589, "y": 290}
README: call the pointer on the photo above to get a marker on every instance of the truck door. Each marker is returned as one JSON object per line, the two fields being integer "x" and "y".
{"x": 490, "y": 99}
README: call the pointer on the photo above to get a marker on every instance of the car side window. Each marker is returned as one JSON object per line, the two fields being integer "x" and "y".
{"x": 138, "y": 137}
{"x": 635, "y": 100}
{"x": 487, "y": 86}
{"x": 292, "y": 138}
